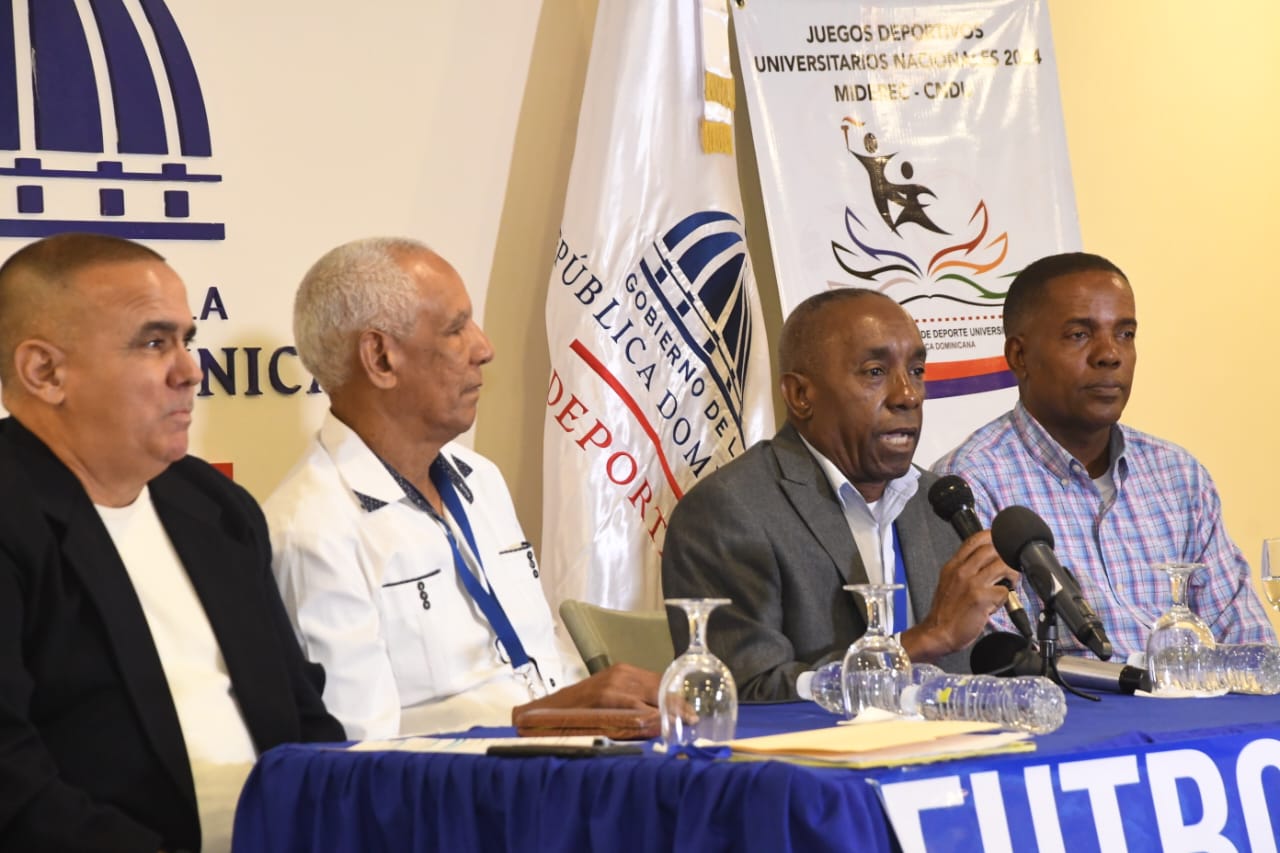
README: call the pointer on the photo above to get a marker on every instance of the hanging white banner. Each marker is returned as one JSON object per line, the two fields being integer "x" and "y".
{"x": 660, "y": 369}
{"x": 243, "y": 139}
{"x": 917, "y": 149}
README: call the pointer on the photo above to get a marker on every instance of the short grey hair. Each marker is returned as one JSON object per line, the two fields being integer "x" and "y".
{"x": 804, "y": 334}
{"x": 358, "y": 286}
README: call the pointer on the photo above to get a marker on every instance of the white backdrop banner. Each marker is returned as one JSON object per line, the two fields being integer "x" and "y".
{"x": 659, "y": 362}
{"x": 917, "y": 149}
{"x": 241, "y": 140}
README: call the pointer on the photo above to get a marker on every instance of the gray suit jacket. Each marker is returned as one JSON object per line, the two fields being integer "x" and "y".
{"x": 767, "y": 531}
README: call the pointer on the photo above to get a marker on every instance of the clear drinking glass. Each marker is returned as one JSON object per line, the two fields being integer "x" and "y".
{"x": 876, "y": 667}
{"x": 1271, "y": 571}
{"x": 1176, "y": 647}
{"x": 697, "y": 698}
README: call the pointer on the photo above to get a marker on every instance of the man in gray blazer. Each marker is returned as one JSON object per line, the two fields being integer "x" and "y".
{"x": 833, "y": 499}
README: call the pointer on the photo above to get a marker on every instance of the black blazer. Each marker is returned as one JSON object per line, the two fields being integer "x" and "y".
{"x": 91, "y": 751}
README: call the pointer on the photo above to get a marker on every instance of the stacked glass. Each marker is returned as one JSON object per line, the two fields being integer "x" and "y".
{"x": 1180, "y": 647}
{"x": 697, "y": 697}
{"x": 1184, "y": 657}
{"x": 876, "y": 667}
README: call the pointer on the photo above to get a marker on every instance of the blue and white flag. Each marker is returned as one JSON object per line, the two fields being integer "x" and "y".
{"x": 659, "y": 364}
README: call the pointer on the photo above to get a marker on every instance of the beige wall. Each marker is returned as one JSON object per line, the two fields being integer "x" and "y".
{"x": 1171, "y": 114}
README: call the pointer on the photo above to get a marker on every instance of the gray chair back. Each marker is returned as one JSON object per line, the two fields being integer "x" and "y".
{"x": 605, "y": 637}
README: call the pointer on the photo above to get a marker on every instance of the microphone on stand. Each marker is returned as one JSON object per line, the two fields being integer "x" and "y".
{"x": 952, "y": 500}
{"x": 1005, "y": 654}
{"x": 1025, "y": 542}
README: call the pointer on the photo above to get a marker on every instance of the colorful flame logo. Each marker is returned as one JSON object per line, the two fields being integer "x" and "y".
{"x": 966, "y": 271}
{"x": 963, "y": 262}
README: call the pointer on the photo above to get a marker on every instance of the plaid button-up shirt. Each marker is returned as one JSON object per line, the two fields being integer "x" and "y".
{"x": 1165, "y": 507}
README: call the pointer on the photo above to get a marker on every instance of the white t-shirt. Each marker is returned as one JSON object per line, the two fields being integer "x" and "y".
{"x": 219, "y": 747}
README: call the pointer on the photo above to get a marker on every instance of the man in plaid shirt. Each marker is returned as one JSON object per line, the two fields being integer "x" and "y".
{"x": 1118, "y": 501}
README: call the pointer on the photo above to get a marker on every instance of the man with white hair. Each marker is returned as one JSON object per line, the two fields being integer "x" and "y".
{"x": 397, "y": 551}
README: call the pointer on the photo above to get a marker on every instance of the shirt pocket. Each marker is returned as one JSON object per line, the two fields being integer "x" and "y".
{"x": 515, "y": 577}
{"x": 518, "y": 559}
{"x": 414, "y": 620}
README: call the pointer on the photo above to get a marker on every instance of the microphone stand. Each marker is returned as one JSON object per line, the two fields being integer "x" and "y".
{"x": 1047, "y": 637}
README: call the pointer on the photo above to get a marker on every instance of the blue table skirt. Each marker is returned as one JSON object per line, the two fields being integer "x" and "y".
{"x": 312, "y": 798}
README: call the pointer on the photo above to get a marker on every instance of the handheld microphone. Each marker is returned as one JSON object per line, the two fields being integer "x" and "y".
{"x": 1024, "y": 541}
{"x": 1008, "y": 655}
{"x": 952, "y": 500}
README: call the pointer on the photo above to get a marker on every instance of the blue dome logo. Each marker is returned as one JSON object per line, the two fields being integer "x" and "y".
{"x": 121, "y": 85}
{"x": 706, "y": 294}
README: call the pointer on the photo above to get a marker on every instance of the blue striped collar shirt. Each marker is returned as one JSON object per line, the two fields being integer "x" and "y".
{"x": 871, "y": 524}
{"x": 1162, "y": 506}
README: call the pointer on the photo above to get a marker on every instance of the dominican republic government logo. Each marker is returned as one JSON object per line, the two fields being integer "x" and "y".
{"x": 697, "y": 272}
{"x": 668, "y": 339}
{"x": 938, "y": 257}
{"x": 103, "y": 125}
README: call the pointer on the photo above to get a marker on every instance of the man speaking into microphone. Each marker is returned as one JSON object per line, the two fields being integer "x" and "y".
{"x": 1118, "y": 501}
{"x": 832, "y": 499}
{"x": 952, "y": 500}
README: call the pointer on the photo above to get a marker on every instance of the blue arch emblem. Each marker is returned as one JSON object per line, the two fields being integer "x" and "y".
{"x": 698, "y": 272}
{"x": 103, "y": 125}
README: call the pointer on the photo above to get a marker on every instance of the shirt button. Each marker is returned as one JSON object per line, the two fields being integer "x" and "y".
{"x": 553, "y": 681}
{"x": 1065, "y": 481}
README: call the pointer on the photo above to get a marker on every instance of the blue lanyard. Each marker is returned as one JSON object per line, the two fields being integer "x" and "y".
{"x": 485, "y": 599}
{"x": 900, "y": 598}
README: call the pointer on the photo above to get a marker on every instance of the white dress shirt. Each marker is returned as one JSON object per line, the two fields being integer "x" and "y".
{"x": 369, "y": 581}
{"x": 871, "y": 523}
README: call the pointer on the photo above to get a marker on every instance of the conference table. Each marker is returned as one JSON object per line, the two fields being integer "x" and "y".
{"x": 1126, "y": 773}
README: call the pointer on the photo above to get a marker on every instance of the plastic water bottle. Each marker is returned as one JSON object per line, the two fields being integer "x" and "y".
{"x": 823, "y": 685}
{"x": 1028, "y": 703}
{"x": 1250, "y": 668}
